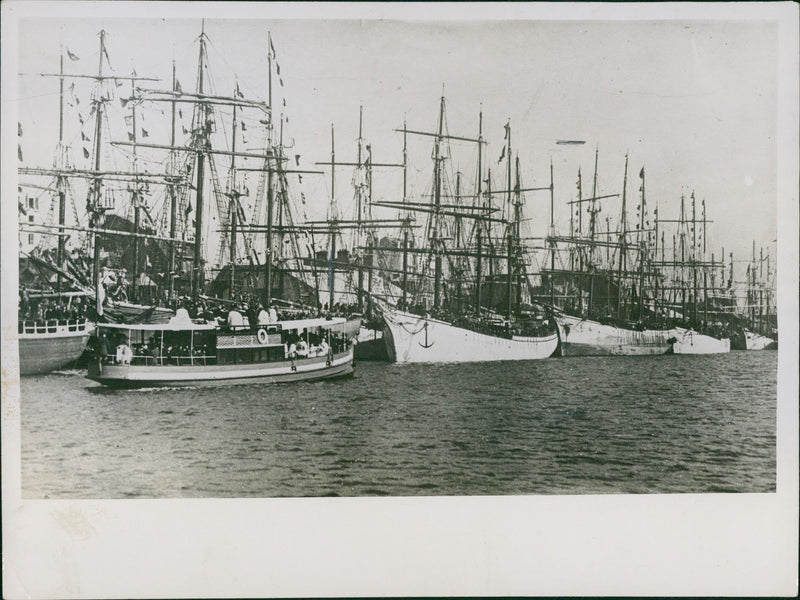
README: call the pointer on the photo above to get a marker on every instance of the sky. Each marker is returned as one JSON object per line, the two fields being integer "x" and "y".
{"x": 693, "y": 102}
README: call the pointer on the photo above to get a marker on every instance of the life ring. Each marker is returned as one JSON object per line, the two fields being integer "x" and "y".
{"x": 262, "y": 336}
{"x": 124, "y": 354}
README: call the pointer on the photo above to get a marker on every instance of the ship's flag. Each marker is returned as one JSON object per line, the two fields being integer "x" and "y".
{"x": 72, "y": 56}
{"x": 19, "y": 151}
{"x": 178, "y": 87}
{"x": 84, "y": 137}
{"x": 19, "y": 129}
{"x": 85, "y": 153}
{"x": 641, "y": 173}
{"x": 180, "y": 113}
{"x": 124, "y": 102}
{"x": 284, "y": 102}
{"x": 185, "y": 131}
{"x": 506, "y": 127}
{"x": 271, "y": 47}
{"x": 281, "y": 81}
{"x": 144, "y": 133}
{"x": 277, "y": 68}
{"x": 299, "y": 178}
{"x": 297, "y": 159}
{"x": 237, "y": 92}
{"x": 130, "y": 136}
{"x": 502, "y": 155}
{"x": 80, "y": 118}
{"x": 243, "y": 126}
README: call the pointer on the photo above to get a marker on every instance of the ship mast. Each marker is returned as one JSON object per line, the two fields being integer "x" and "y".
{"x": 623, "y": 240}
{"x": 60, "y": 181}
{"x": 136, "y": 199}
{"x": 200, "y": 145}
{"x": 437, "y": 175}
{"x": 173, "y": 199}
{"x": 332, "y": 217}
{"x": 97, "y": 183}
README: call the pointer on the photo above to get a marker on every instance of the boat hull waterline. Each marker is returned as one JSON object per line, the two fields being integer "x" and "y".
{"x": 414, "y": 339}
{"x": 584, "y": 337}
{"x": 691, "y": 342}
{"x": 301, "y": 369}
{"x": 48, "y": 351}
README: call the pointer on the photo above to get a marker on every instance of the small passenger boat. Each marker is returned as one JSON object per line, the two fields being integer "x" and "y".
{"x": 187, "y": 353}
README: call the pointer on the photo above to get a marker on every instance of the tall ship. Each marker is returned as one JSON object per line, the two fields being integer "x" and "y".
{"x": 464, "y": 288}
{"x": 600, "y": 283}
{"x": 688, "y": 291}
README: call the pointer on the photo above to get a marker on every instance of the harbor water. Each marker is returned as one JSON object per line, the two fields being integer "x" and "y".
{"x": 653, "y": 424}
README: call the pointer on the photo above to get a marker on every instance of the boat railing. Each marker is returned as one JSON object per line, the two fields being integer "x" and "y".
{"x": 52, "y": 325}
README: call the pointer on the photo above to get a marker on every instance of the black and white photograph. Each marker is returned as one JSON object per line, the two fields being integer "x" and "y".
{"x": 419, "y": 299}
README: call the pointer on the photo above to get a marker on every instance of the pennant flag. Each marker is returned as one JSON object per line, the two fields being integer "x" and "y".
{"x": 84, "y": 137}
{"x": 278, "y": 68}
{"x": 263, "y": 121}
{"x": 506, "y": 127}
{"x": 641, "y": 173}
{"x": 19, "y": 151}
{"x": 80, "y": 118}
{"x": 303, "y": 197}
{"x": 144, "y": 133}
{"x": 178, "y": 87}
{"x": 271, "y": 47}
{"x": 118, "y": 82}
{"x": 124, "y": 102}
{"x": 105, "y": 53}
{"x": 502, "y": 155}
{"x": 85, "y": 153}
{"x": 243, "y": 127}
{"x": 297, "y": 159}
{"x": 19, "y": 129}
{"x": 180, "y": 113}
{"x": 72, "y": 56}
{"x": 237, "y": 92}
{"x": 281, "y": 81}
{"x": 299, "y": 178}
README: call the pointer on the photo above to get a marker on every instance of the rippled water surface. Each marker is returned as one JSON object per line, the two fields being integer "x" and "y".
{"x": 560, "y": 426}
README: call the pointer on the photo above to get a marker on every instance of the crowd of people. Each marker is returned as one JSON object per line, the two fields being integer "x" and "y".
{"x": 54, "y": 309}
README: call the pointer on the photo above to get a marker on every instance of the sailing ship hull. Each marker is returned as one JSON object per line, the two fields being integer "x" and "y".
{"x": 691, "y": 342}
{"x": 583, "y": 337}
{"x": 301, "y": 369}
{"x": 756, "y": 341}
{"x": 43, "y": 349}
{"x": 414, "y": 339}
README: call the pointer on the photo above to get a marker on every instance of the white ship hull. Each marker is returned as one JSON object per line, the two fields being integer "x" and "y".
{"x": 414, "y": 339}
{"x": 755, "y": 341}
{"x": 584, "y": 337}
{"x": 48, "y": 346}
{"x": 691, "y": 342}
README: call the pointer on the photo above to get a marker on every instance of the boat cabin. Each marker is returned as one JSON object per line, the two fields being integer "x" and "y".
{"x": 213, "y": 344}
